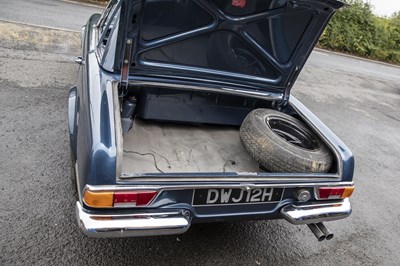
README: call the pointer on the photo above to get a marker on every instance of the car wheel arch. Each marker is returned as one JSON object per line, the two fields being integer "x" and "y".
{"x": 72, "y": 117}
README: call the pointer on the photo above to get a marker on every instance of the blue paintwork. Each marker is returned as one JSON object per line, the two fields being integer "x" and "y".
{"x": 345, "y": 154}
{"x": 93, "y": 139}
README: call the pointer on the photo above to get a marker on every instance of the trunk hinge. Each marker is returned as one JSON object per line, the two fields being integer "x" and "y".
{"x": 286, "y": 94}
{"x": 285, "y": 99}
{"x": 125, "y": 66}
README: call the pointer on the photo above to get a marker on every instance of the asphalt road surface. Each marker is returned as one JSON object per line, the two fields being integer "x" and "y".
{"x": 51, "y": 13}
{"x": 358, "y": 100}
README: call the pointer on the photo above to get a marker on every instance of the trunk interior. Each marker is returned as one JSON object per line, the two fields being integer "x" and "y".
{"x": 154, "y": 147}
{"x": 186, "y": 132}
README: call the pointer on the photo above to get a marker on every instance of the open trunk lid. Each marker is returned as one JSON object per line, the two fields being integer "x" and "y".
{"x": 259, "y": 45}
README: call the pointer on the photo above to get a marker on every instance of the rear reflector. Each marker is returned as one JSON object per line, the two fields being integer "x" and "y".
{"x": 335, "y": 192}
{"x": 109, "y": 199}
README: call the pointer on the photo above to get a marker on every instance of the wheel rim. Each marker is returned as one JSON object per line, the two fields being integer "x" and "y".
{"x": 293, "y": 133}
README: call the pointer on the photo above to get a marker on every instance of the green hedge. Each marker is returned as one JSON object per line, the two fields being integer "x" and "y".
{"x": 356, "y": 30}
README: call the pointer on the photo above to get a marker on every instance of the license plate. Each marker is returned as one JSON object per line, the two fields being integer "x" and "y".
{"x": 225, "y": 196}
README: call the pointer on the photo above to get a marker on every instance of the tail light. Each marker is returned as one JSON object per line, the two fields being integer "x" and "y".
{"x": 335, "y": 192}
{"x": 133, "y": 198}
{"x": 109, "y": 199}
{"x": 239, "y": 3}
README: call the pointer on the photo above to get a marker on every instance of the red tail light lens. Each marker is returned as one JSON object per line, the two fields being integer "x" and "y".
{"x": 125, "y": 199}
{"x": 144, "y": 198}
{"x": 335, "y": 192}
{"x": 239, "y": 3}
{"x": 133, "y": 198}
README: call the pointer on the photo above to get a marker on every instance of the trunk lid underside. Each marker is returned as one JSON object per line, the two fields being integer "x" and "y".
{"x": 259, "y": 45}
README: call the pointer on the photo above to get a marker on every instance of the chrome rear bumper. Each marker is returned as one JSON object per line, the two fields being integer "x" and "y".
{"x": 318, "y": 212}
{"x": 132, "y": 225}
{"x": 178, "y": 221}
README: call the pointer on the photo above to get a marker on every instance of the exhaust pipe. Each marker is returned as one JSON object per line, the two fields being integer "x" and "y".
{"x": 328, "y": 234}
{"x": 320, "y": 231}
{"x": 317, "y": 232}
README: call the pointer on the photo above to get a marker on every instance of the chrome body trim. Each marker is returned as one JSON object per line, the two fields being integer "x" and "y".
{"x": 118, "y": 130}
{"x": 80, "y": 198}
{"x": 213, "y": 185}
{"x": 132, "y": 225}
{"x": 79, "y": 60}
{"x": 128, "y": 178}
{"x": 316, "y": 212}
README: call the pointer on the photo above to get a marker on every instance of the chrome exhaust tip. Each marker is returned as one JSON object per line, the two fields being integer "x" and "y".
{"x": 317, "y": 232}
{"x": 328, "y": 234}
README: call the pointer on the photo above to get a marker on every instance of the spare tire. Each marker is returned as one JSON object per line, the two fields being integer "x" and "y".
{"x": 282, "y": 143}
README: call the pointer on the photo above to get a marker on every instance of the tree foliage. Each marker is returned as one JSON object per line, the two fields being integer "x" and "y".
{"x": 356, "y": 30}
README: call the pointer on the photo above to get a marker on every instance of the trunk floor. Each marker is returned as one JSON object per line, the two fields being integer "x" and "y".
{"x": 184, "y": 148}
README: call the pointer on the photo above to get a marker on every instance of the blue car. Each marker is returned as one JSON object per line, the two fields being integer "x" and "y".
{"x": 183, "y": 114}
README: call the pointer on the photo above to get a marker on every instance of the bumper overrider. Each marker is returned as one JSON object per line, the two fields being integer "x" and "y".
{"x": 171, "y": 222}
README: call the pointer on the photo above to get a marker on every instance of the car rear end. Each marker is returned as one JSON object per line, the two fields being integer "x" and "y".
{"x": 147, "y": 204}
{"x": 204, "y": 71}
